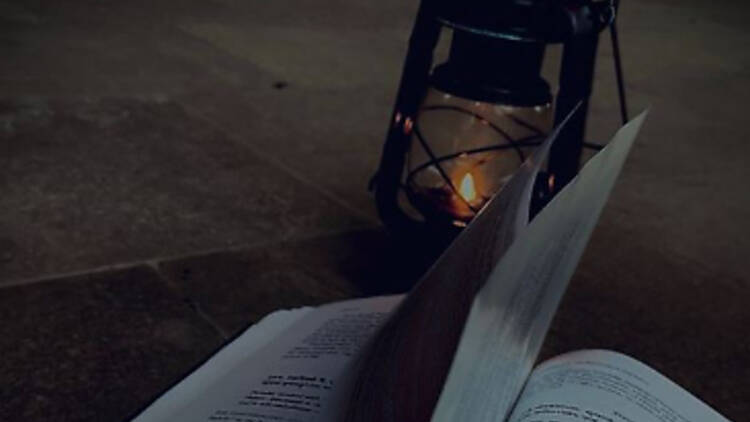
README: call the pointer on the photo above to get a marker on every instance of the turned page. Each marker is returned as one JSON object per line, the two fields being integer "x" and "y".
{"x": 512, "y": 312}
{"x": 292, "y": 366}
{"x": 404, "y": 370}
{"x": 604, "y": 386}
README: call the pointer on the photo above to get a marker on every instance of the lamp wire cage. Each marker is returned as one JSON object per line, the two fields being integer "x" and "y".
{"x": 520, "y": 147}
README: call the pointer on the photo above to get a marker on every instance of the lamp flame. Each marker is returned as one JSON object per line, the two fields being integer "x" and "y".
{"x": 466, "y": 188}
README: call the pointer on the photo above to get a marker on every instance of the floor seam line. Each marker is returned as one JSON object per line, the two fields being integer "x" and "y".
{"x": 154, "y": 262}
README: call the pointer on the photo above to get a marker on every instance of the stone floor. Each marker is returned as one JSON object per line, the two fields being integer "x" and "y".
{"x": 172, "y": 171}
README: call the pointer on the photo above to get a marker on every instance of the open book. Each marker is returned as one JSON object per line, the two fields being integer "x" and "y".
{"x": 459, "y": 347}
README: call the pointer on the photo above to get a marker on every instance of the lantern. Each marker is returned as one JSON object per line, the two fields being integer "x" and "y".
{"x": 460, "y": 129}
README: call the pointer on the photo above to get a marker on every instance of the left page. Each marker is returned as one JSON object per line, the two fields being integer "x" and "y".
{"x": 293, "y": 366}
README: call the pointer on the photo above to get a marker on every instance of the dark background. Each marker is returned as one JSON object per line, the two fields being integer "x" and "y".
{"x": 171, "y": 171}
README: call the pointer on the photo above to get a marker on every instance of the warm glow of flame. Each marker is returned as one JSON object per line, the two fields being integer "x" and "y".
{"x": 466, "y": 188}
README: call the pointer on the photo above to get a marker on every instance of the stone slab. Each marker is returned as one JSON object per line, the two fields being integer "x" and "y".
{"x": 92, "y": 183}
{"x": 94, "y": 347}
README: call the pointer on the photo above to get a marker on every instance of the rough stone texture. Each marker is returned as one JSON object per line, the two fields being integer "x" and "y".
{"x": 237, "y": 288}
{"x": 683, "y": 190}
{"x": 94, "y": 347}
{"x": 100, "y": 182}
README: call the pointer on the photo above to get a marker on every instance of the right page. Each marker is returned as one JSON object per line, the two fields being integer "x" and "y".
{"x": 605, "y": 386}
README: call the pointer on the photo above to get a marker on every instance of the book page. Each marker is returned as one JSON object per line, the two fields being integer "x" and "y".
{"x": 294, "y": 366}
{"x": 405, "y": 369}
{"x": 604, "y": 386}
{"x": 192, "y": 387}
{"x": 511, "y": 314}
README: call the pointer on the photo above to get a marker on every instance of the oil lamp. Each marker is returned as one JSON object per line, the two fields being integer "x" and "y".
{"x": 460, "y": 129}
{"x": 483, "y": 112}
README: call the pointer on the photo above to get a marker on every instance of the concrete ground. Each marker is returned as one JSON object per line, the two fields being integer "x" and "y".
{"x": 172, "y": 171}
